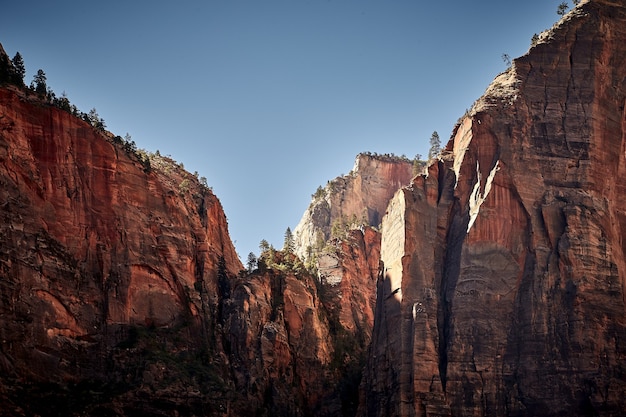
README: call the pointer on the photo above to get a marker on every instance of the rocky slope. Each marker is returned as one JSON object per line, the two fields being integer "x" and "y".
{"x": 504, "y": 267}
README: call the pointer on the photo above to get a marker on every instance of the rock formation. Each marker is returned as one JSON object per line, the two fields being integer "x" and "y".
{"x": 359, "y": 198}
{"x": 504, "y": 267}
{"x": 122, "y": 294}
{"x": 497, "y": 286}
{"x": 93, "y": 243}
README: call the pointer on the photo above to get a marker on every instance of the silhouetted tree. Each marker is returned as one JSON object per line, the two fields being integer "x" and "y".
{"x": 63, "y": 103}
{"x": 18, "y": 63}
{"x": 506, "y": 58}
{"x": 534, "y": 40}
{"x": 252, "y": 262}
{"x": 562, "y": 9}
{"x": 264, "y": 246}
{"x": 39, "y": 81}
{"x": 95, "y": 120}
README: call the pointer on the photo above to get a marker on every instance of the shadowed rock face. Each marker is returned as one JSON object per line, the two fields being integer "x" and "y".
{"x": 505, "y": 271}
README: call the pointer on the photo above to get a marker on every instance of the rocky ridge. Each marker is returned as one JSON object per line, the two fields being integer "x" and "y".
{"x": 95, "y": 246}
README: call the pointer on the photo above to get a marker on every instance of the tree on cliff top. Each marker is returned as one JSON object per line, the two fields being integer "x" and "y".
{"x": 252, "y": 262}
{"x": 8, "y": 72}
{"x": 18, "y": 63}
{"x": 435, "y": 145}
{"x": 289, "y": 246}
{"x": 39, "y": 82}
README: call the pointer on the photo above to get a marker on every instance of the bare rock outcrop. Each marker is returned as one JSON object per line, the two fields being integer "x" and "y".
{"x": 504, "y": 268}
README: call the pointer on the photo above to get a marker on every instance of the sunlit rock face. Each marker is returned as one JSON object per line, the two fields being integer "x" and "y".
{"x": 92, "y": 244}
{"x": 361, "y": 197}
{"x": 504, "y": 268}
{"x": 352, "y": 296}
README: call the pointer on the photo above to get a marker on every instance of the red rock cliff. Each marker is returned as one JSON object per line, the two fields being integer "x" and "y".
{"x": 505, "y": 267}
{"x": 335, "y": 235}
{"x": 92, "y": 244}
{"x": 360, "y": 197}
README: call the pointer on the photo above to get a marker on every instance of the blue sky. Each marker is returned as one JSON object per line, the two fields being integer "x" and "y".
{"x": 269, "y": 99}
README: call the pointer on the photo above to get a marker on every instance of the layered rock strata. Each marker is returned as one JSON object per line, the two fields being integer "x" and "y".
{"x": 503, "y": 290}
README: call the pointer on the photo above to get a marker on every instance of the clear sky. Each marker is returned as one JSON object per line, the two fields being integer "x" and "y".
{"x": 269, "y": 99}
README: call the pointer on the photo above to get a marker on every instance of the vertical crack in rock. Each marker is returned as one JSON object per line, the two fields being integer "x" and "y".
{"x": 450, "y": 276}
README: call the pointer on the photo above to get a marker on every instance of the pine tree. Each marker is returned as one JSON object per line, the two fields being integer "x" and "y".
{"x": 39, "y": 81}
{"x": 252, "y": 262}
{"x": 435, "y": 145}
{"x": 18, "y": 63}
{"x": 289, "y": 245}
{"x": 264, "y": 246}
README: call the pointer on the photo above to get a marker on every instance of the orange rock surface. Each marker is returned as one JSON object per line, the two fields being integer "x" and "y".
{"x": 91, "y": 243}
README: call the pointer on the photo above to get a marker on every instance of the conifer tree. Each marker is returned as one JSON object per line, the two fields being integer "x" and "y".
{"x": 289, "y": 245}
{"x": 18, "y": 63}
{"x": 264, "y": 246}
{"x": 252, "y": 262}
{"x": 39, "y": 81}
{"x": 435, "y": 145}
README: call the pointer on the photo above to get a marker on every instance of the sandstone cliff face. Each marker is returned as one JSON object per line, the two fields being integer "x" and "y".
{"x": 360, "y": 197}
{"x": 335, "y": 234}
{"x": 504, "y": 267}
{"x": 92, "y": 245}
{"x": 295, "y": 348}
{"x": 348, "y": 276}
{"x": 121, "y": 293}
{"x": 279, "y": 344}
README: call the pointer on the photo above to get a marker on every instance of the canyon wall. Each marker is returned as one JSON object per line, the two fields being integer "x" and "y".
{"x": 359, "y": 198}
{"x": 121, "y": 292}
{"x": 503, "y": 291}
{"x": 95, "y": 244}
{"x": 495, "y": 285}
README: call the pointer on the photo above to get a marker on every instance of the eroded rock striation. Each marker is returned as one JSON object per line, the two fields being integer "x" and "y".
{"x": 504, "y": 267}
